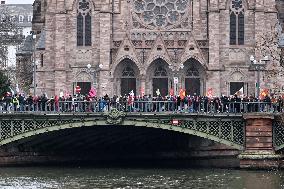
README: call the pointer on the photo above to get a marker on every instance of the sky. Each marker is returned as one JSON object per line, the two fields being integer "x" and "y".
{"x": 19, "y": 1}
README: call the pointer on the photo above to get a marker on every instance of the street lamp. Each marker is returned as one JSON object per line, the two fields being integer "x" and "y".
{"x": 34, "y": 64}
{"x": 101, "y": 66}
{"x": 181, "y": 66}
{"x": 89, "y": 66}
{"x": 176, "y": 79}
{"x": 258, "y": 65}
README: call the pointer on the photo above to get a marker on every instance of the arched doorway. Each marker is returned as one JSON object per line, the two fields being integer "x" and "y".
{"x": 192, "y": 81}
{"x": 160, "y": 81}
{"x": 194, "y": 74}
{"x": 84, "y": 81}
{"x": 128, "y": 81}
{"x": 159, "y": 77}
{"x": 237, "y": 83}
{"x": 126, "y": 77}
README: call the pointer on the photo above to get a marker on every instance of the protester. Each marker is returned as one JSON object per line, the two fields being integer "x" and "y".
{"x": 145, "y": 103}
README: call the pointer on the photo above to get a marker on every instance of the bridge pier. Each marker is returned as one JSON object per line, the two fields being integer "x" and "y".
{"x": 259, "y": 152}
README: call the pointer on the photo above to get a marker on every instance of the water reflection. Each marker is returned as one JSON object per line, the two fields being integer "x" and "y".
{"x": 74, "y": 178}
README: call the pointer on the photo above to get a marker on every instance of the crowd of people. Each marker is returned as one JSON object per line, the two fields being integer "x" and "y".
{"x": 146, "y": 103}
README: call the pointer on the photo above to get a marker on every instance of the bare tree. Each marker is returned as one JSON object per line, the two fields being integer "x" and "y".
{"x": 24, "y": 73}
{"x": 271, "y": 43}
{"x": 9, "y": 32}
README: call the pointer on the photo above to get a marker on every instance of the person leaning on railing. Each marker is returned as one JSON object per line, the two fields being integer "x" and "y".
{"x": 146, "y": 103}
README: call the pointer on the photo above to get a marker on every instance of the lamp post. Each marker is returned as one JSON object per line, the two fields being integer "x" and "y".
{"x": 34, "y": 64}
{"x": 95, "y": 71}
{"x": 175, "y": 74}
{"x": 99, "y": 69}
{"x": 101, "y": 66}
{"x": 89, "y": 66}
{"x": 258, "y": 65}
{"x": 176, "y": 70}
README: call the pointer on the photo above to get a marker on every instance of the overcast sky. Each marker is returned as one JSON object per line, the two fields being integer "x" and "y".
{"x": 19, "y": 1}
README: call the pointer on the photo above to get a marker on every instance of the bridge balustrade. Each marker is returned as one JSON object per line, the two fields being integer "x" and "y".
{"x": 145, "y": 106}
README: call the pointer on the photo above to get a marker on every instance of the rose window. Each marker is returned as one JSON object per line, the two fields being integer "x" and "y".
{"x": 160, "y": 13}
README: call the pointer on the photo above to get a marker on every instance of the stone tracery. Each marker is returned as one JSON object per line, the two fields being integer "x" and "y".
{"x": 84, "y": 23}
{"x": 237, "y": 23}
{"x": 160, "y": 13}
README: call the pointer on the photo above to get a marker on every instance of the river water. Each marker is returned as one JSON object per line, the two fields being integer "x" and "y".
{"x": 73, "y": 178}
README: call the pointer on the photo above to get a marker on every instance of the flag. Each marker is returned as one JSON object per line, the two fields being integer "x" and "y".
{"x": 131, "y": 93}
{"x": 240, "y": 92}
{"x": 67, "y": 94}
{"x": 158, "y": 92}
{"x": 210, "y": 93}
{"x": 61, "y": 94}
{"x": 142, "y": 91}
{"x": 172, "y": 92}
{"x": 175, "y": 122}
{"x": 182, "y": 93}
{"x": 17, "y": 88}
{"x": 92, "y": 92}
{"x": 264, "y": 93}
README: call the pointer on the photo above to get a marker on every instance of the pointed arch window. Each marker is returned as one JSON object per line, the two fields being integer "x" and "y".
{"x": 160, "y": 72}
{"x": 128, "y": 72}
{"x": 237, "y": 24}
{"x": 192, "y": 72}
{"x": 84, "y": 23}
{"x": 128, "y": 80}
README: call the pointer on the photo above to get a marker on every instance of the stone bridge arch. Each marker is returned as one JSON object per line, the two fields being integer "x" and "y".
{"x": 228, "y": 131}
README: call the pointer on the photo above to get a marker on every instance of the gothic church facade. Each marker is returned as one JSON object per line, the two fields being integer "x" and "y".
{"x": 117, "y": 46}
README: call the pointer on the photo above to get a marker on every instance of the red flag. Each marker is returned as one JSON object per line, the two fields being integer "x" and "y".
{"x": 264, "y": 93}
{"x": 210, "y": 93}
{"x": 92, "y": 92}
{"x": 172, "y": 93}
{"x": 142, "y": 91}
{"x": 182, "y": 93}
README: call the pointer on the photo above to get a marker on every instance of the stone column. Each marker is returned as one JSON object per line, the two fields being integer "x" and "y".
{"x": 105, "y": 45}
{"x": 60, "y": 53}
{"x": 213, "y": 80}
{"x": 259, "y": 152}
{"x": 142, "y": 85}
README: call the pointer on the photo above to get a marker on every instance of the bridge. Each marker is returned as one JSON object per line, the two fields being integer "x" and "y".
{"x": 259, "y": 137}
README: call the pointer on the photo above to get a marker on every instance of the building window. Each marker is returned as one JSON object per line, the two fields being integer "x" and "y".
{"x": 30, "y": 18}
{"x": 161, "y": 13}
{"x": 21, "y": 18}
{"x": 128, "y": 81}
{"x": 128, "y": 72}
{"x": 160, "y": 81}
{"x": 160, "y": 72}
{"x": 84, "y": 23}
{"x": 41, "y": 60}
{"x": 192, "y": 81}
{"x": 237, "y": 23}
{"x": 192, "y": 72}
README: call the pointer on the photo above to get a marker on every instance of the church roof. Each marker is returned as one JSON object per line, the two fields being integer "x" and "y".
{"x": 41, "y": 41}
{"x": 27, "y": 47}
